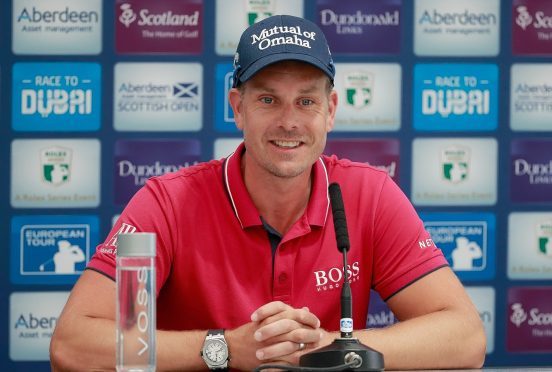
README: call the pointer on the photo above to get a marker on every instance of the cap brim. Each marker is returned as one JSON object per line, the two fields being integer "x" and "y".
{"x": 279, "y": 57}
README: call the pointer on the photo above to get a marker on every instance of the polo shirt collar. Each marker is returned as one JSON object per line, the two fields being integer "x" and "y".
{"x": 246, "y": 212}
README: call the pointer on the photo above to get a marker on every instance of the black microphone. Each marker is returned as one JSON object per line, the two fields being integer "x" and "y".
{"x": 342, "y": 239}
{"x": 345, "y": 350}
{"x": 339, "y": 218}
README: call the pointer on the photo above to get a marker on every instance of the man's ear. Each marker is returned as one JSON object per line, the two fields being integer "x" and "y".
{"x": 235, "y": 98}
{"x": 332, "y": 109}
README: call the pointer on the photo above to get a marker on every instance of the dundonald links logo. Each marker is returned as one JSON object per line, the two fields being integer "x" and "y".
{"x": 531, "y": 170}
{"x": 361, "y": 27}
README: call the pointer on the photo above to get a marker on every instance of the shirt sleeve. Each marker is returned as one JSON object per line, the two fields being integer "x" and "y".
{"x": 403, "y": 250}
{"x": 149, "y": 210}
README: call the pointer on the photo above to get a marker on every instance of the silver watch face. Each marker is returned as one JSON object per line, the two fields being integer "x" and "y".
{"x": 215, "y": 351}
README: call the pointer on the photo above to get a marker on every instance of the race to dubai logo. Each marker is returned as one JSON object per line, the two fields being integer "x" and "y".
{"x": 45, "y": 102}
{"x": 519, "y": 316}
{"x": 127, "y": 16}
{"x": 544, "y": 236}
{"x": 523, "y": 19}
{"x": 359, "y": 88}
{"x": 257, "y": 10}
{"x": 56, "y": 165}
{"x": 455, "y": 162}
{"x": 450, "y": 97}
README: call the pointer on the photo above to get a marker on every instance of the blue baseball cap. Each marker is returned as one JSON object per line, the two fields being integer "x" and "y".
{"x": 281, "y": 38}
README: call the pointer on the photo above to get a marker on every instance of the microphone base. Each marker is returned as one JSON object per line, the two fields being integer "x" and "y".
{"x": 341, "y": 351}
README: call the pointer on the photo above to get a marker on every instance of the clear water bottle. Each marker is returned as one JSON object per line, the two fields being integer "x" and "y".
{"x": 136, "y": 301}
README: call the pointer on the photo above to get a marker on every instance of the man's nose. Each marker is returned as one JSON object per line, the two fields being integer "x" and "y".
{"x": 287, "y": 116}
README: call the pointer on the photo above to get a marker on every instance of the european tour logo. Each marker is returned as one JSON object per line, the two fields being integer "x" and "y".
{"x": 332, "y": 278}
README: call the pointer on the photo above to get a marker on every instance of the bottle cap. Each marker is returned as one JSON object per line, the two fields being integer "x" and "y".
{"x": 141, "y": 244}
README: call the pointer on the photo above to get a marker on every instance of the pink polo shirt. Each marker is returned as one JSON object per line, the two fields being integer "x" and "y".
{"x": 214, "y": 258}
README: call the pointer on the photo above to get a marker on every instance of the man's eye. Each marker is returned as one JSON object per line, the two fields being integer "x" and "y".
{"x": 267, "y": 100}
{"x": 306, "y": 102}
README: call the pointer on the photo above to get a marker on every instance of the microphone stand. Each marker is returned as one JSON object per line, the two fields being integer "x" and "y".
{"x": 345, "y": 349}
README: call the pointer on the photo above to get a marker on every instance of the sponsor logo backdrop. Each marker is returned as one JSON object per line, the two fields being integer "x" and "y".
{"x": 453, "y": 98}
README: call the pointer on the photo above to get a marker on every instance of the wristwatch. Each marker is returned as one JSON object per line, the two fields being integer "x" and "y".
{"x": 215, "y": 350}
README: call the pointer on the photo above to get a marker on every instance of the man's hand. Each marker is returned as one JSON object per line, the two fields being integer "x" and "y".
{"x": 285, "y": 333}
{"x": 275, "y": 335}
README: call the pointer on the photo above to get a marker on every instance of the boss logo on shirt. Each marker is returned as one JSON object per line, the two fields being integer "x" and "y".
{"x": 332, "y": 278}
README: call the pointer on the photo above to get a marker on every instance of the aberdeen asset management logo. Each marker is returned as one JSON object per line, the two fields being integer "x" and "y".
{"x": 330, "y": 279}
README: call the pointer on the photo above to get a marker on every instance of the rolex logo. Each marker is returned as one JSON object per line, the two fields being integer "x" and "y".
{"x": 359, "y": 88}
{"x": 544, "y": 237}
{"x": 56, "y": 165}
{"x": 455, "y": 161}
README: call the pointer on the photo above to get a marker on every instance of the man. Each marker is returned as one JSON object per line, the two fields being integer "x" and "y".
{"x": 247, "y": 244}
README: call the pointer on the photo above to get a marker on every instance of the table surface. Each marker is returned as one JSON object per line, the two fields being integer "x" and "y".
{"x": 493, "y": 369}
